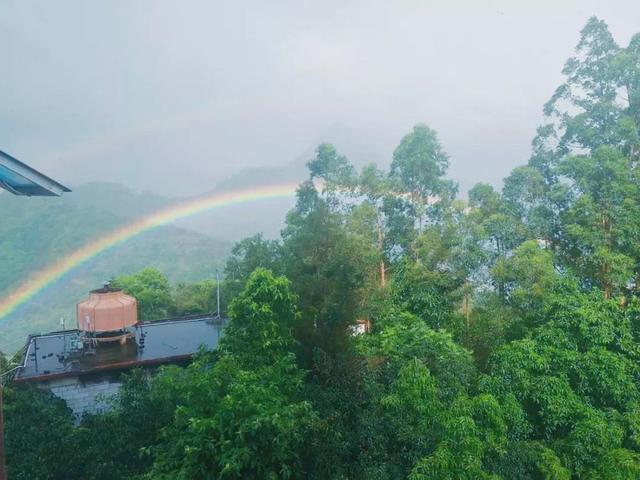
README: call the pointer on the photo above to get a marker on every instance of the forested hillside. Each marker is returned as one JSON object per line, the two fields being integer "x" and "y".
{"x": 35, "y": 232}
{"x": 504, "y": 336}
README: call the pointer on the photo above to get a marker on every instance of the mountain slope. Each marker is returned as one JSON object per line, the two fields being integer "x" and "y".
{"x": 267, "y": 217}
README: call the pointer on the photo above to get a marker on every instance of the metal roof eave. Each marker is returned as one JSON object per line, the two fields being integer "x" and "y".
{"x": 41, "y": 185}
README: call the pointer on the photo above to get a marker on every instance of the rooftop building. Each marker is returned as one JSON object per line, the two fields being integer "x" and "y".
{"x": 65, "y": 354}
{"x": 86, "y": 375}
{"x": 84, "y": 366}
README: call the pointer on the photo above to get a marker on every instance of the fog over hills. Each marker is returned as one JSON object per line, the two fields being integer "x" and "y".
{"x": 40, "y": 231}
{"x": 266, "y": 216}
{"x": 176, "y": 98}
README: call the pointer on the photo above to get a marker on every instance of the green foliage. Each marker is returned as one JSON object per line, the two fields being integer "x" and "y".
{"x": 39, "y": 436}
{"x": 496, "y": 223}
{"x": 145, "y": 404}
{"x": 472, "y": 429}
{"x": 246, "y": 256}
{"x": 262, "y": 320}
{"x": 4, "y": 363}
{"x": 406, "y": 337}
{"x": 600, "y": 225}
{"x": 237, "y": 424}
{"x": 334, "y": 169}
{"x": 524, "y": 281}
{"x": 43, "y": 441}
{"x": 331, "y": 267}
{"x": 152, "y": 291}
{"x": 242, "y": 415}
{"x": 504, "y": 338}
{"x": 195, "y": 298}
{"x": 419, "y": 162}
{"x": 576, "y": 377}
{"x": 428, "y": 294}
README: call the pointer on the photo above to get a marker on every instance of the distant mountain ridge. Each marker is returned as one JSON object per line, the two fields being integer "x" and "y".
{"x": 267, "y": 217}
{"x": 35, "y": 232}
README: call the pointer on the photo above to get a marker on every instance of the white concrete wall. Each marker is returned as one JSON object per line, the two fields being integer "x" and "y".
{"x": 84, "y": 395}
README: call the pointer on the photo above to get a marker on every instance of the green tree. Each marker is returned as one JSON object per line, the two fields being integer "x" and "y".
{"x": 152, "y": 291}
{"x": 534, "y": 198}
{"x": 433, "y": 295}
{"x": 243, "y": 415}
{"x": 375, "y": 189}
{"x": 247, "y": 255}
{"x": 39, "y": 436}
{"x": 597, "y": 103}
{"x": 330, "y": 267}
{"x": 143, "y": 407}
{"x": 575, "y": 378}
{"x": 500, "y": 229}
{"x": 472, "y": 429}
{"x": 403, "y": 337}
{"x": 601, "y": 226}
{"x": 525, "y": 279}
{"x": 333, "y": 168}
{"x": 592, "y": 140}
{"x": 262, "y": 320}
{"x": 193, "y": 298}
{"x": 418, "y": 167}
{"x": 4, "y": 363}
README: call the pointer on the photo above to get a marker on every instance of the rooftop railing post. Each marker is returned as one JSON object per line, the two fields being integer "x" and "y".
{"x": 217, "y": 294}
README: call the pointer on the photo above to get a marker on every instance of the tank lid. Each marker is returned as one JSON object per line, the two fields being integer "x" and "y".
{"x": 106, "y": 288}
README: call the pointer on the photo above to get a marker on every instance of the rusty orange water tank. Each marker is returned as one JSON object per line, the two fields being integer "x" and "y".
{"x": 107, "y": 309}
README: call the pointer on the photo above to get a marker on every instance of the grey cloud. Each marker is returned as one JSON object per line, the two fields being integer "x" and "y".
{"x": 179, "y": 95}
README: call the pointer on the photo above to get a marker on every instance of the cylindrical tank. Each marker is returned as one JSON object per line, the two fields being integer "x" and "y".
{"x": 107, "y": 309}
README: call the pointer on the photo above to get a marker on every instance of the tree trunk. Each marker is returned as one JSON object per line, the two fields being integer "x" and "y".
{"x": 467, "y": 311}
{"x": 606, "y": 283}
{"x": 383, "y": 280}
{"x": 606, "y": 267}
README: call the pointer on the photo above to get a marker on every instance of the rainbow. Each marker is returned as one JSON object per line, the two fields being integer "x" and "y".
{"x": 54, "y": 272}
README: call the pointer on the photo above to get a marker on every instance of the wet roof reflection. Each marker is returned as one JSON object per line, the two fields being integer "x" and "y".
{"x": 57, "y": 354}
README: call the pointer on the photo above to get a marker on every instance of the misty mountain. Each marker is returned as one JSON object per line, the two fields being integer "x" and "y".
{"x": 267, "y": 216}
{"x": 36, "y": 232}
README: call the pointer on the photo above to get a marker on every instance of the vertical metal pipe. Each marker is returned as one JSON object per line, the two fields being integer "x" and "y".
{"x": 218, "y": 293}
{"x": 35, "y": 352}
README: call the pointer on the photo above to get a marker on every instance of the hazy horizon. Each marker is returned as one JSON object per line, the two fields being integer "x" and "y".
{"x": 175, "y": 98}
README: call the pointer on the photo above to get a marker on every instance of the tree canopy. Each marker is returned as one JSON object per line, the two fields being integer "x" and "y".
{"x": 395, "y": 331}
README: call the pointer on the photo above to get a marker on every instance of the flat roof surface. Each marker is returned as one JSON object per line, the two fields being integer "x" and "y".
{"x": 20, "y": 179}
{"x": 47, "y": 356}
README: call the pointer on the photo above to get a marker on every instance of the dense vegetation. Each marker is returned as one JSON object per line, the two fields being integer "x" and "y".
{"x": 505, "y": 331}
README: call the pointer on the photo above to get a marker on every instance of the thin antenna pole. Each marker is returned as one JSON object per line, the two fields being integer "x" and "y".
{"x": 64, "y": 337}
{"x": 218, "y": 293}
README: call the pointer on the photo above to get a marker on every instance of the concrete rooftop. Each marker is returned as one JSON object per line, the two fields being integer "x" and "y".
{"x": 159, "y": 342}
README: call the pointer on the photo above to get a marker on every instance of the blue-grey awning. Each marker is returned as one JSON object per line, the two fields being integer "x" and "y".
{"x": 20, "y": 179}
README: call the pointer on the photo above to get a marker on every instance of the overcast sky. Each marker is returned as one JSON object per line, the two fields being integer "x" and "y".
{"x": 174, "y": 96}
